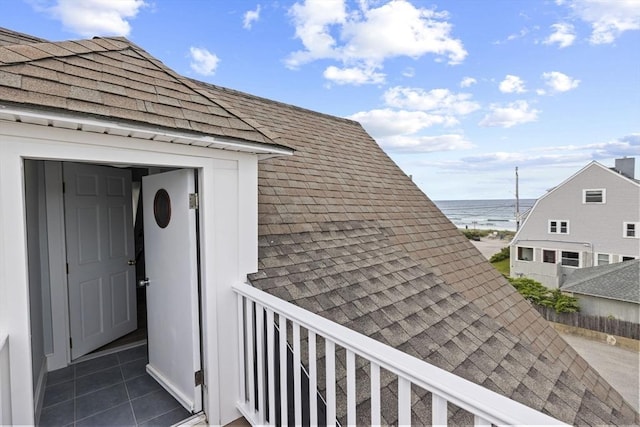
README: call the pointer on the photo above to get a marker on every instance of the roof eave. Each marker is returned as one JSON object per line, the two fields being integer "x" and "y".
{"x": 124, "y": 129}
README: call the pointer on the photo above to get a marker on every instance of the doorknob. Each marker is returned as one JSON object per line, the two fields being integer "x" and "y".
{"x": 143, "y": 282}
{"x": 132, "y": 262}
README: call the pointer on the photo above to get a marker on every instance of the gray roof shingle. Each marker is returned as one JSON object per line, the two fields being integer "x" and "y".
{"x": 343, "y": 232}
{"x": 619, "y": 281}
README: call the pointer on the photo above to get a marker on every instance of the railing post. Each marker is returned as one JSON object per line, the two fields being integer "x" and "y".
{"x": 404, "y": 402}
{"x": 351, "y": 388}
{"x": 330, "y": 355}
{"x": 282, "y": 323}
{"x": 375, "y": 394}
{"x": 313, "y": 381}
{"x": 242, "y": 363}
{"x": 249, "y": 354}
{"x": 271, "y": 387}
{"x": 297, "y": 386}
{"x": 438, "y": 410}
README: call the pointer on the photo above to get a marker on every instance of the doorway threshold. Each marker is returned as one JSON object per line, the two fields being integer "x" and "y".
{"x": 99, "y": 353}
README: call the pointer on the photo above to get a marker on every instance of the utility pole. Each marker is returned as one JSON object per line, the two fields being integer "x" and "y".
{"x": 517, "y": 203}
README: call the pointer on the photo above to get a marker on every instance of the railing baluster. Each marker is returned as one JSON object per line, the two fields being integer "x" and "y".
{"x": 351, "y": 388}
{"x": 260, "y": 360}
{"x": 271, "y": 368}
{"x": 404, "y": 402}
{"x": 284, "y": 405}
{"x": 330, "y": 354}
{"x": 480, "y": 422}
{"x": 297, "y": 386}
{"x": 313, "y": 381}
{"x": 250, "y": 349}
{"x": 438, "y": 410}
{"x": 375, "y": 394}
{"x": 242, "y": 362}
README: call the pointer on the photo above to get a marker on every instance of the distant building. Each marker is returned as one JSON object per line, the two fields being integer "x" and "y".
{"x": 591, "y": 219}
{"x": 608, "y": 290}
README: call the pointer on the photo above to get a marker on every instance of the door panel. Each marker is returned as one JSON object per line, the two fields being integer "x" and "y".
{"x": 172, "y": 293}
{"x": 99, "y": 235}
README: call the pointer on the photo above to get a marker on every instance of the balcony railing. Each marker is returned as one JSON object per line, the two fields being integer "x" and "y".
{"x": 5, "y": 397}
{"x": 279, "y": 390}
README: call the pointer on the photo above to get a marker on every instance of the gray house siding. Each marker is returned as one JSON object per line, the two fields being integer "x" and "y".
{"x": 591, "y": 228}
{"x": 598, "y": 306}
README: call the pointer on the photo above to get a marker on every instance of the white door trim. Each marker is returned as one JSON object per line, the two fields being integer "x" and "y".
{"x": 224, "y": 265}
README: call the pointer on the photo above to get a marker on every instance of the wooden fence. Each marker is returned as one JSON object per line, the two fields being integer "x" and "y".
{"x": 608, "y": 325}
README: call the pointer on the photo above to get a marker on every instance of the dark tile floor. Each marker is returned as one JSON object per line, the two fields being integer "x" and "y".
{"x": 112, "y": 390}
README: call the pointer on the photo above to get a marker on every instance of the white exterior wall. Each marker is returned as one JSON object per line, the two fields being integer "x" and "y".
{"x": 228, "y": 215}
{"x": 593, "y": 228}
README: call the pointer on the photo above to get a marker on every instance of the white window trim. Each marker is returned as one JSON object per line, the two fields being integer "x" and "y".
{"x": 549, "y": 250}
{"x": 598, "y": 258}
{"x": 572, "y": 266}
{"x": 533, "y": 253}
{"x": 624, "y": 229}
{"x": 604, "y": 196}
{"x": 558, "y": 226}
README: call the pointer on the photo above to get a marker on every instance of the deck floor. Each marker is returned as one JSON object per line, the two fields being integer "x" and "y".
{"x": 114, "y": 389}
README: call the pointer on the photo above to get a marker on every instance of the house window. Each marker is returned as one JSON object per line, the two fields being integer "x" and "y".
{"x": 570, "y": 259}
{"x": 525, "y": 254}
{"x": 558, "y": 227}
{"x": 604, "y": 259}
{"x": 549, "y": 256}
{"x": 594, "y": 196}
{"x": 630, "y": 229}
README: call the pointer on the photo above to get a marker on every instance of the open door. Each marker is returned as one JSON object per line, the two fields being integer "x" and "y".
{"x": 172, "y": 285}
{"x": 100, "y": 255}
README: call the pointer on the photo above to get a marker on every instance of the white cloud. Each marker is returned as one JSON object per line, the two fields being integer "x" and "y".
{"x": 440, "y": 101}
{"x": 386, "y": 122}
{"x": 514, "y": 113}
{"x": 468, "y": 81}
{"x": 90, "y": 18}
{"x": 563, "y": 34}
{"x": 353, "y": 75}
{"x": 608, "y": 18}
{"x": 425, "y": 144}
{"x": 558, "y": 82}
{"x": 366, "y": 37}
{"x": 512, "y": 84}
{"x": 250, "y": 17}
{"x": 202, "y": 61}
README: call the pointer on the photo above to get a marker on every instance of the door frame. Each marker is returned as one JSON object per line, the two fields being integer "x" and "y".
{"x": 228, "y": 241}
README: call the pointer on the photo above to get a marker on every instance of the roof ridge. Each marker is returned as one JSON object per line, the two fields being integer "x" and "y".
{"x": 274, "y": 102}
{"x": 28, "y": 52}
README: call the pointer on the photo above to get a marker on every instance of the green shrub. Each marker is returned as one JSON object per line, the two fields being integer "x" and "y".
{"x": 502, "y": 255}
{"x": 537, "y": 293}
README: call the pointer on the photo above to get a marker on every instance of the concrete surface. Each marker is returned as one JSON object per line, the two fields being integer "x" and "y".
{"x": 619, "y": 366}
{"x": 488, "y": 247}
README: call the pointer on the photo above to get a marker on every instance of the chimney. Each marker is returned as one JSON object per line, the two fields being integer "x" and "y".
{"x": 626, "y": 166}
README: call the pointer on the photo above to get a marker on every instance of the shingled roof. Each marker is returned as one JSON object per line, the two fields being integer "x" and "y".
{"x": 617, "y": 281}
{"x": 343, "y": 232}
{"x": 115, "y": 79}
{"x": 346, "y": 234}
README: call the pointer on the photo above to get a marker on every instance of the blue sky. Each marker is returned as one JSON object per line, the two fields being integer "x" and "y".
{"x": 458, "y": 93}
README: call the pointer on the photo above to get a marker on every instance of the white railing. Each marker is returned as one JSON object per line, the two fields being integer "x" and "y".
{"x": 5, "y": 383}
{"x": 257, "y": 312}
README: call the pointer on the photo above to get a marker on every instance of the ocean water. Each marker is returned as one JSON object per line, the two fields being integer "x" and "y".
{"x": 484, "y": 214}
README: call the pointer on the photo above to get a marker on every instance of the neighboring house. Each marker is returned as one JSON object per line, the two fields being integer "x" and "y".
{"x": 591, "y": 219}
{"x": 608, "y": 290}
{"x": 301, "y": 205}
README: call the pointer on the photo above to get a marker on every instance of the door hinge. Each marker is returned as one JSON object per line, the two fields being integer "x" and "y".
{"x": 70, "y": 342}
{"x": 199, "y": 378}
{"x": 64, "y": 187}
{"x": 67, "y": 268}
{"x": 194, "y": 202}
